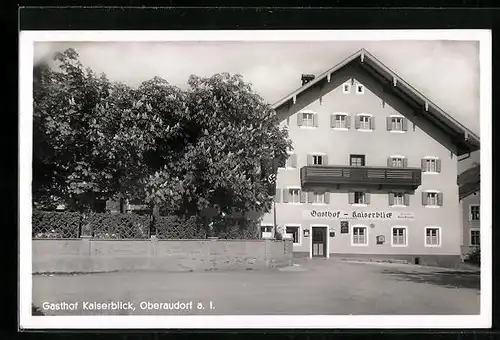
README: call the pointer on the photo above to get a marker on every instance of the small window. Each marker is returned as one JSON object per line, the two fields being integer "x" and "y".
{"x": 318, "y": 197}
{"x": 265, "y": 229}
{"x": 431, "y": 165}
{"x": 357, "y": 160}
{"x": 364, "y": 122}
{"x": 432, "y": 198}
{"x": 295, "y": 232}
{"x": 399, "y": 198}
{"x": 397, "y": 162}
{"x": 432, "y": 236}
{"x": 308, "y": 119}
{"x": 397, "y": 123}
{"x": 340, "y": 121}
{"x": 474, "y": 213}
{"x": 359, "y": 197}
{"x": 346, "y": 88}
{"x": 359, "y": 235}
{"x": 475, "y": 239}
{"x": 294, "y": 195}
{"x": 360, "y": 89}
{"x": 399, "y": 236}
{"x": 317, "y": 159}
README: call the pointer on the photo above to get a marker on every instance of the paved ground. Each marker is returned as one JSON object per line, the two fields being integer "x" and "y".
{"x": 319, "y": 286}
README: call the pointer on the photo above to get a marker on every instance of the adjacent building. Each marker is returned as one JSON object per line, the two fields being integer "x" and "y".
{"x": 469, "y": 196}
{"x": 373, "y": 170}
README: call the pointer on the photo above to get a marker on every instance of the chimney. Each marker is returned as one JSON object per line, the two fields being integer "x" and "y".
{"x": 307, "y": 78}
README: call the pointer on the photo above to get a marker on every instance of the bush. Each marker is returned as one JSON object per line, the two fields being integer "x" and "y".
{"x": 474, "y": 256}
{"x": 236, "y": 228}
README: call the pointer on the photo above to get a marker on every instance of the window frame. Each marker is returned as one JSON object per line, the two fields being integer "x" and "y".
{"x": 429, "y": 158}
{"x": 367, "y": 241}
{"x": 348, "y": 91}
{"x": 299, "y": 232}
{"x": 354, "y": 204}
{"x": 405, "y": 228}
{"x": 440, "y": 237}
{"x": 265, "y": 225}
{"x": 394, "y": 125}
{"x": 358, "y": 86}
{"x": 471, "y": 230}
{"x": 399, "y": 157}
{"x": 362, "y": 157}
{"x": 364, "y": 115}
{"x": 304, "y": 120}
{"x": 470, "y": 213}
{"x": 432, "y": 191}
{"x": 286, "y": 163}
{"x": 316, "y": 194}
{"x": 340, "y": 114}
{"x": 298, "y": 196}
{"x": 316, "y": 155}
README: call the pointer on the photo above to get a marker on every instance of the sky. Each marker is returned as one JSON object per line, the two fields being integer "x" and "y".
{"x": 447, "y": 72}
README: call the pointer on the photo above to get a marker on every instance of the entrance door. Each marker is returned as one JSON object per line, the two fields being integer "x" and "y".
{"x": 319, "y": 241}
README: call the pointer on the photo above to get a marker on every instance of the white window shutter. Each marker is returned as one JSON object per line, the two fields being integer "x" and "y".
{"x": 309, "y": 160}
{"x": 325, "y": 159}
{"x": 357, "y": 122}
{"x": 315, "y": 120}
{"x": 424, "y": 198}
{"x": 372, "y": 123}
{"x": 440, "y": 199}
{"x": 351, "y": 198}
{"x": 294, "y": 160}
{"x": 277, "y": 195}
{"x": 332, "y": 121}
{"x": 327, "y": 197}
{"x": 405, "y": 162}
{"x": 391, "y": 198}
{"x": 438, "y": 165}
{"x": 302, "y": 196}
{"x": 405, "y": 124}
{"x": 389, "y": 123}
{"x": 389, "y": 162}
{"x": 310, "y": 197}
{"x": 300, "y": 118}
{"x": 422, "y": 164}
{"x": 285, "y": 195}
{"x": 367, "y": 197}
{"x": 348, "y": 122}
{"x": 407, "y": 199}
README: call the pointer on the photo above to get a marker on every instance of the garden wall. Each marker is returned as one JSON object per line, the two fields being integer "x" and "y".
{"x": 87, "y": 254}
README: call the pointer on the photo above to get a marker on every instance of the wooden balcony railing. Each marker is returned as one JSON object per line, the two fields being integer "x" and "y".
{"x": 350, "y": 175}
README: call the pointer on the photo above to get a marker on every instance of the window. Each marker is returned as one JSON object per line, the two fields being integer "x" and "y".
{"x": 359, "y": 236}
{"x": 432, "y": 198}
{"x": 360, "y": 89}
{"x": 307, "y": 119}
{"x": 340, "y": 121}
{"x": 432, "y": 236}
{"x": 397, "y": 162}
{"x": 346, "y": 88}
{"x": 317, "y": 160}
{"x": 399, "y": 236}
{"x": 474, "y": 212}
{"x": 265, "y": 229}
{"x": 318, "y": 197}
{"x": 359, "y": 197}
{"x": 399, "y": 198}
{"x": 397, "y": 124}
{"x": 364, "y": 122}
{"x": 431, "y": 165}
{"x": 294, "y": 195}
{"x": 357, "y": 160}
{"x": 475, "y": 239}
{"x": 294, "y": 231}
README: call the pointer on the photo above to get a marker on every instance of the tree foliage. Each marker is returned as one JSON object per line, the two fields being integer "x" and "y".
{"x": 209, "y": 146}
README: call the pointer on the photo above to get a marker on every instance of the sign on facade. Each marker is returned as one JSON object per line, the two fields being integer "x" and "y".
{"x": 357, "y": 215}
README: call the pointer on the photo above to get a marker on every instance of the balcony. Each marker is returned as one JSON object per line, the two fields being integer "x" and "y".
{"x": 345, "y": 176}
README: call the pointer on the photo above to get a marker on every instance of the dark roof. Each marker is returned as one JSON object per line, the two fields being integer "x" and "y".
{"x": 465, "y": 140}
{"x": 469, "y": 182}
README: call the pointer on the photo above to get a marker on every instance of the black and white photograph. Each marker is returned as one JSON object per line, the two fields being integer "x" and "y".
{"x": 290, "y": 179}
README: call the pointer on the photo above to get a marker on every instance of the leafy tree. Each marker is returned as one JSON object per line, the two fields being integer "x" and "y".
{"x": 210, "y": 147}
{"x": 229, "y": 137}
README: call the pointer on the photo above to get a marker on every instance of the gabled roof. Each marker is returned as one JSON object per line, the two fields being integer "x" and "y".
{"x": 469, "y": 182}
{"x": 465, "y": 140}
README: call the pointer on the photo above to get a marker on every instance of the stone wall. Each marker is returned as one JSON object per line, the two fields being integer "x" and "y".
{"x": 92, "y": 255}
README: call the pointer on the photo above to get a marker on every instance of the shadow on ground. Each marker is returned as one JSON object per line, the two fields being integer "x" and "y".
{"x": 449, "y": 279}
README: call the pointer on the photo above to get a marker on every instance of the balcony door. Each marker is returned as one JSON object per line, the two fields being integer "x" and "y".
{"x": 357, "y": 160}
